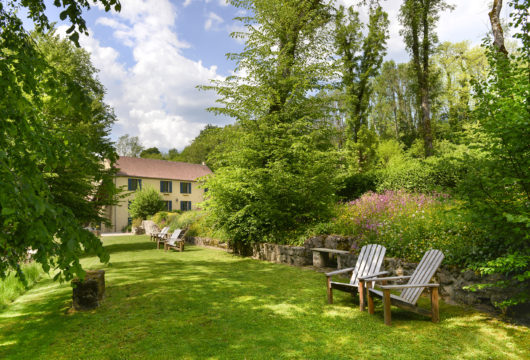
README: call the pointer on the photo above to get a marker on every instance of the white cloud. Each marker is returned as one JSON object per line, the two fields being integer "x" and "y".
{"x": 155, "y": 98}
{"x": 223, "y": 3}
{"x": 212, "y": 21}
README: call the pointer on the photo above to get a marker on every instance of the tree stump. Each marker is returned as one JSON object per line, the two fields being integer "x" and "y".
{"x": 88, "y": 293}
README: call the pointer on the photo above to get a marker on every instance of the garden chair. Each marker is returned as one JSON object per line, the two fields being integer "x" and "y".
{"x": 176, "y": 241}
{"x": 368, "y": 264}
{"x": 160, "y": 235}
{"x": 417, "y": 282}
{"x": 163, "y": 239}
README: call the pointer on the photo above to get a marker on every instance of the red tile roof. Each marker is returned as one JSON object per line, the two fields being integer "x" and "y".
{"x": 160, "y": 169}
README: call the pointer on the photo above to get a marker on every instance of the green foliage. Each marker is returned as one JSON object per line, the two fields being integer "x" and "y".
{"x": 186, "y": 219}
{"x": 359, "y": 59}
{"x": 352, "y": 186}
{"x": 405, "y": 173}
{"x": 363, "y": 151}
{"x": 53, "y": 139}
{"x": 409, "y": 224}
{"x": 129, "y": 146}
{"x": 419, "y": 19}
{"x": 136, "y": 222}
{"x": 147, "y": 201}
{"x": 163, "y": 218}
{"x": 206, "y": 143}
{"x": 12, "y": 286}
{"x": 275, "y": 175}
{"x": 151, "y": 153}
{"x": 515, "y": 267}
{"x": 72, "y": 9}
{"x": 497, "y": 188}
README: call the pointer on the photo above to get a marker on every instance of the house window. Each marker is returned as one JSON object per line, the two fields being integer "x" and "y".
{"x": 166, "y": 186}
{"x": 185, "y": 188}
{"x": 185, "y": 205}
{"x": 129, "y": 205}
{"x": 135, "y": 184}
{"x": 168, "y": 205}
{"x": 129, "y": 221}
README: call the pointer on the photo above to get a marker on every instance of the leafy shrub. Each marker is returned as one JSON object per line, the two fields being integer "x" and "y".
{"x": 352, "y": 186}
{"x": 442, "y": 172}
{"x": 405, "y": 173}
{"x": 137, "y": 222}
{"x": 147, "y": 201}
{"x": 185, "y": 220}
{"x": 164, "y": 218}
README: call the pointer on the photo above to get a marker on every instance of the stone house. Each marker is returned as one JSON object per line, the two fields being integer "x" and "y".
{"x": 178, "y": 183}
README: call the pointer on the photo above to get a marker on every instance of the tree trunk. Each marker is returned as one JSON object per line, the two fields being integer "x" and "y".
{"x": 498, "y": 35}
{"x": 425, "y": 101}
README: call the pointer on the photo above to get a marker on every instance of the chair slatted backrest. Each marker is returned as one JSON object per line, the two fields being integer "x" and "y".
{"x": 174, "y": 237}
{"x": 422, "y": 275}
{"x": 164, "y": 231}
{"x": 369, "y": 261}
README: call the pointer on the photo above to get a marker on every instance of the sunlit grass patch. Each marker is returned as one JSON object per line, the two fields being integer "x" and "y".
{"x": 208, "y": 304}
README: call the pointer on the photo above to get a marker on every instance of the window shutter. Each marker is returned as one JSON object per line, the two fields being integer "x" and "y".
{"x": 140, "y": 183}
{"x": 130, "y": 184}
{"x": 189, "y": 188}
{"x": 170, "y": 205}
{"x": 182, "y": 188}
{"x": 170, "y": 186}
{"x": 161, "y": 186}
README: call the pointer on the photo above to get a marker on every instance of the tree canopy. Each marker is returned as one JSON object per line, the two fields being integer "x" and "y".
{"x": 55, "y": 155}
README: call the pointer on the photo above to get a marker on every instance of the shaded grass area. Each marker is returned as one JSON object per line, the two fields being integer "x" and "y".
{"x": 11, "y": 287}
{"x": 207, "y": 304}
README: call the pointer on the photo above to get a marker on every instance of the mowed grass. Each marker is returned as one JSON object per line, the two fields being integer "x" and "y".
{"x": 208, "y": 304}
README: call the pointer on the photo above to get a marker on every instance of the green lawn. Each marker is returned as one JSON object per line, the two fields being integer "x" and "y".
{"x": 205, "y": 303}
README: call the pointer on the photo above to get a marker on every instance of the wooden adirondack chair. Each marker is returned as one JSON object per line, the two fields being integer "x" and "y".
{"x": 418, "y": 281}
{"x": 176, "y": 241}
{"x": 163, "y": 239}
{"x": 368, "y": 264}
{"x": 160, "y": 235}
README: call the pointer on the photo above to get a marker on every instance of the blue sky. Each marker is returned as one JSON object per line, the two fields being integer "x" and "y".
{"x": 154, "y": 53}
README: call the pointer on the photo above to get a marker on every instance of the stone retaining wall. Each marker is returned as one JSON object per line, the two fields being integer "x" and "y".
{"x": 451, "y": 278}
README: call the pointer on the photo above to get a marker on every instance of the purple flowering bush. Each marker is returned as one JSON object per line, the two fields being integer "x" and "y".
{"x": 408, "y": 224}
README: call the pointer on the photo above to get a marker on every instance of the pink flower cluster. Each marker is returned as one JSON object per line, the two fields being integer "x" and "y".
{"x": 372, "y": 210}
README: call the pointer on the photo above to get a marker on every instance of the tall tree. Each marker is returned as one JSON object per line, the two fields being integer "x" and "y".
{"x": 275, "y": 174}
{"x": 392, "y": 109}
{"x": 151, "y": 153}
{"x": 418, "y": 18}
{"x": 458, "y": 66}
{"x": 498, "y": 186}
{"x": 53, "y": 140}
{"x": 53, "y": 146}
{"x": 360, "y": 58}
{"x": 129, "y": 146}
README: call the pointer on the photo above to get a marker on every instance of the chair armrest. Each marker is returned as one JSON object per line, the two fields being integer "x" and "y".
{"x": 366, "y": 277}
{"x": 341, "y": 271}
{"x": 392, "y": 287}
{"x": 389, "y": 278}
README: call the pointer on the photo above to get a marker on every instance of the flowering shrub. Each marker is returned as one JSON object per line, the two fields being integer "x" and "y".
{"x": 409, "y": 224}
